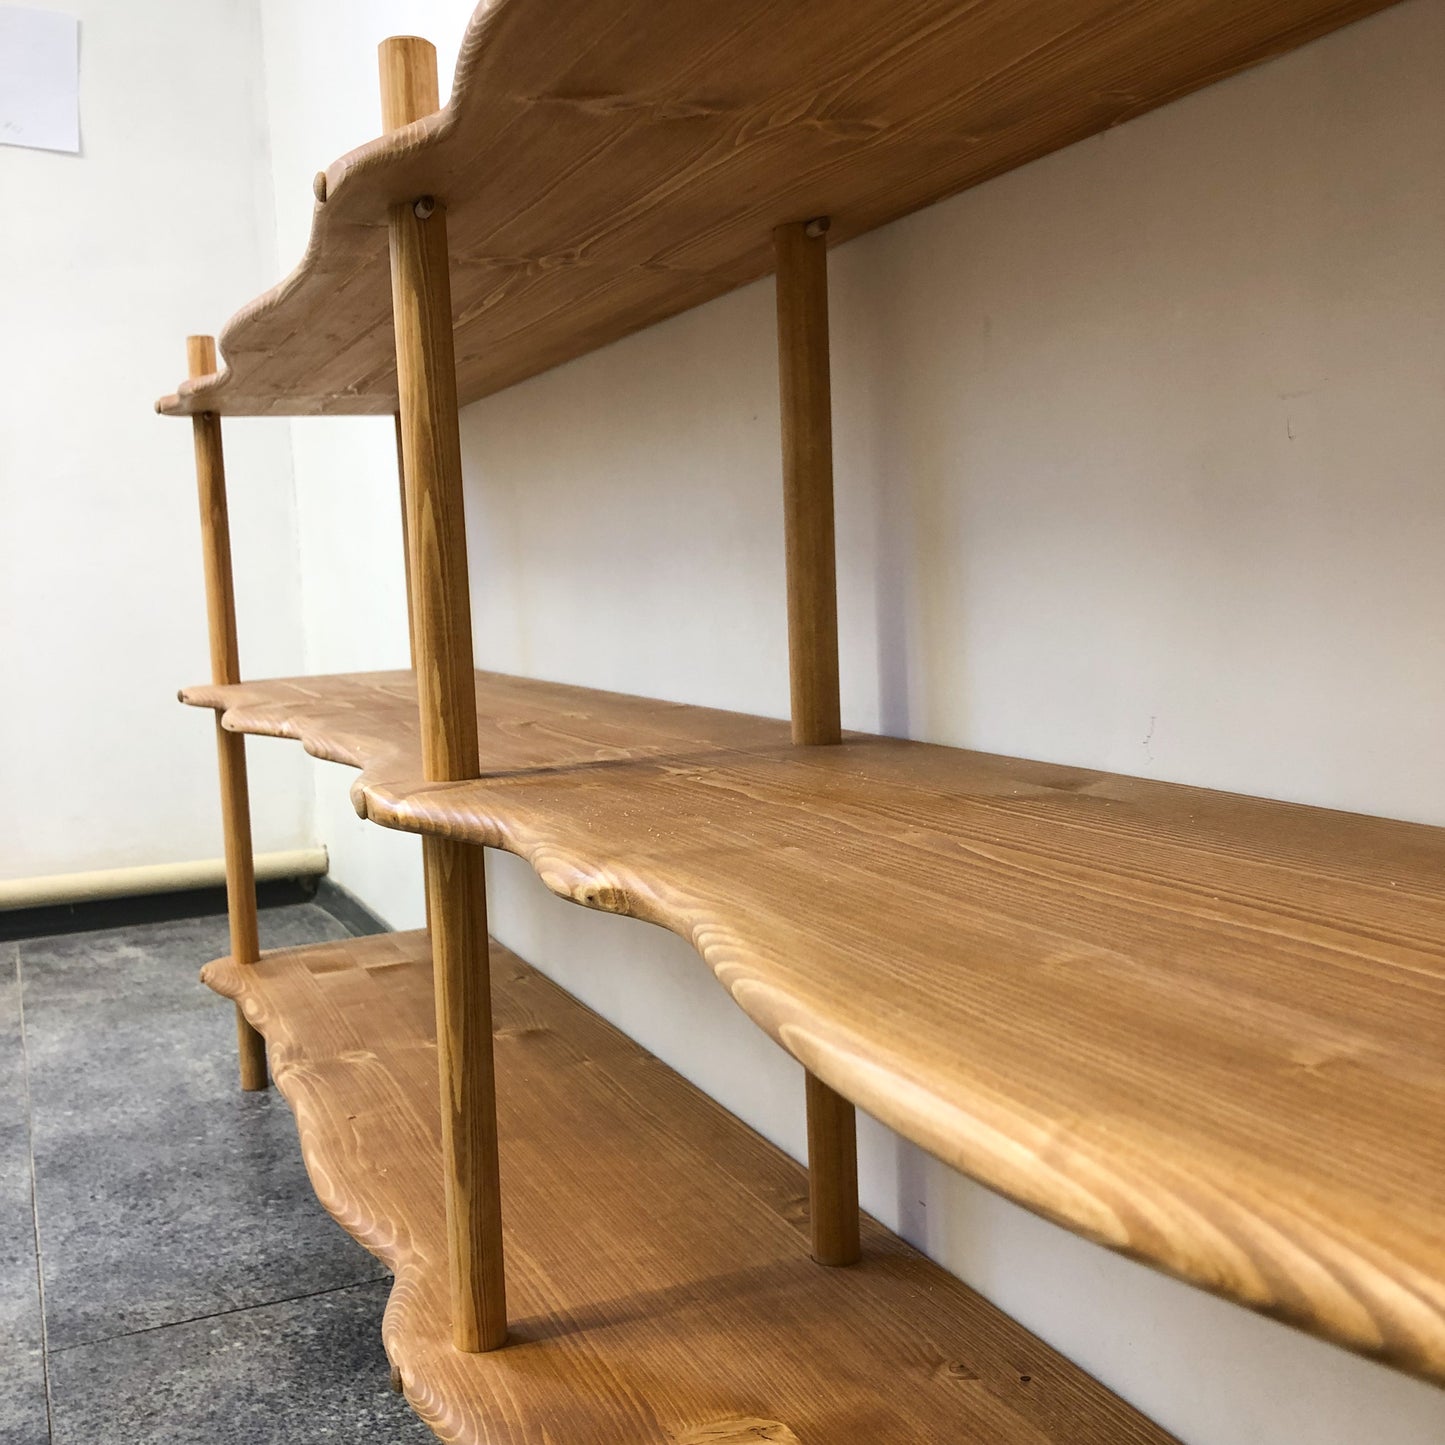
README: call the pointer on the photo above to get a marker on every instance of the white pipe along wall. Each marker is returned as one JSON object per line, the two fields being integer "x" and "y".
{"x": 153, "y": 878}
{"x": 1138, "y": 463}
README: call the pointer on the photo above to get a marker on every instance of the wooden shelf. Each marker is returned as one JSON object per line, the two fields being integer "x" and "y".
{"x": 660, "y": 1288}
{"x": 607, "y": 166}
{"x": 1202, "y": 1029}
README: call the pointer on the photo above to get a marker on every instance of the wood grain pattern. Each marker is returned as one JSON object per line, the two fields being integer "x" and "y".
{"x": 1202, "y": 1029}
{"x": 439, "y": 600}
{"x": 606, "y": 166}
{"x": 660, "y": 1290}
{"x": 226, "y": 668}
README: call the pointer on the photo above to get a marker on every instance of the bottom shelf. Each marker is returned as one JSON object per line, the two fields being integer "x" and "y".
{"x": 659, "y": 1287}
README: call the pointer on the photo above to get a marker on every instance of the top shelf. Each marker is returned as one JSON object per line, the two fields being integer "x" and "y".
{"x": 607, "y": 166}
{"x": 1203, "y": 1029}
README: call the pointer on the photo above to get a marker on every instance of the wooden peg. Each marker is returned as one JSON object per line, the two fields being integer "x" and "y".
{"x": 226, "y": 668}
{"x": 804, "y": 382}
{"x": 446, "y": 687}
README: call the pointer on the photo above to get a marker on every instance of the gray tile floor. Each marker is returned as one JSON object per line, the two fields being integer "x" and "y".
{"x": 166, "y": 1275}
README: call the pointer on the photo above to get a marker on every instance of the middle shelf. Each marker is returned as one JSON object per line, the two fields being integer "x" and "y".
{"x": 1199, "y": 1028}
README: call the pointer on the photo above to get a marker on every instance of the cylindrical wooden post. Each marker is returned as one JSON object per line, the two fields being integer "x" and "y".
{"x": 226, "y": 668}
{"x": 832, "y": 1174}
{"x": 808, "y": 480}
{"x": 803, "y": 375}
{"x": 405, "y": 537}
{"x": 446, "y": 687}
{"x": 410, "y": 621}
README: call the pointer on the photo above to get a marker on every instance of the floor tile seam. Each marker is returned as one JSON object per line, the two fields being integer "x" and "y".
{"x": 220, "y": 1314}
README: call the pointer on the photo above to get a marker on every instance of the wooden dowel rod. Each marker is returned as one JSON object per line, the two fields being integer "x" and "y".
{"x": 457, "y": 910}
{"x": 226, "y": 668}
{"x": 832, "y": 1175}
{"x": 215, "y": 523}
{"x": 436, "y": 523}
{"x": 446, "y": 688}
{"x": 405, "y": 538}
{"x": 808, "y": 482}
{"x": 806, "y": 398}
{"x": 410, "y": 621}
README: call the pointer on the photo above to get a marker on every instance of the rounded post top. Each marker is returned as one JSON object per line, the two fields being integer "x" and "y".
{"x": 408, "y": 66}
{"x": 200, "y": 356}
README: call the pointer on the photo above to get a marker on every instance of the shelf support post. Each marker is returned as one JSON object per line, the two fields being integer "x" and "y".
{"x": 804, "y": 383}
{"x": 410, "y": 619}
{"x": 226, "y": 668}
{"x": 405, "y": 538}
{"x": 442, "y": 641}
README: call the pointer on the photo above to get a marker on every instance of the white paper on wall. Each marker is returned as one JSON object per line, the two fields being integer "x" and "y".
{"x": 39, "y": 79}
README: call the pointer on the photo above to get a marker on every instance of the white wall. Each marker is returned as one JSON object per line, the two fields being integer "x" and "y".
{"x": 1140, "y": 455}
{"x": 323, "y": 96}
{"x": 109, "y": 259}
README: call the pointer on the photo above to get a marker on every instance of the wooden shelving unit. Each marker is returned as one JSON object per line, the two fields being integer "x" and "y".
{"x": 1205, "y": 1030}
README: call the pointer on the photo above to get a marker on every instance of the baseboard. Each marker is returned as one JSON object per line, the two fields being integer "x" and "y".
{"x": 150, "y": 908}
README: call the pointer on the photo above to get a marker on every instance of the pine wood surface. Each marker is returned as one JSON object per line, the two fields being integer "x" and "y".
{"x": 660, "y": 1287}
{"x": 1202, "y": 1029}
{"x": 606, "y": 166}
